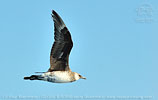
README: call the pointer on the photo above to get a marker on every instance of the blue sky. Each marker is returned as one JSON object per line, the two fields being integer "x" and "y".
{"x": 115, "y": 46}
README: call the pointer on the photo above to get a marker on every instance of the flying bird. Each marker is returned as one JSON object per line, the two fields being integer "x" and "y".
{"x": 59, "y": 71}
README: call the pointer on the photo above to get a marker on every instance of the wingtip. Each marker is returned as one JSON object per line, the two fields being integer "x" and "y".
{"x": 53, "y": 12}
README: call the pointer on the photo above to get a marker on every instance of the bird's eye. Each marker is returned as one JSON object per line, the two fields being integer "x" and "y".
{"x": 79, "y": 75}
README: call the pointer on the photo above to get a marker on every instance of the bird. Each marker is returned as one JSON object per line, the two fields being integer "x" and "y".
{"x": 59, "y": 71}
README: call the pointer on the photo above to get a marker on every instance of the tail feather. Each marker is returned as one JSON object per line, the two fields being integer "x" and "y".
{"x": 26, "y": 78}
{"x": 33, "y": 77}
{"x": 39, "y": 72}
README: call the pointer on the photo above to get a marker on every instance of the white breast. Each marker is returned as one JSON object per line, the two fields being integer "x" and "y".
{"x": 57, "y": 77}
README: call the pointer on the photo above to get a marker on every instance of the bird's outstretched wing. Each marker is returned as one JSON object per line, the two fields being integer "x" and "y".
{"x": 59, "y": 56}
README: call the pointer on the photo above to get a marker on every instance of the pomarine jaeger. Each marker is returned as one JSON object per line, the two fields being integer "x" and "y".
{"x": 59, "y": 71}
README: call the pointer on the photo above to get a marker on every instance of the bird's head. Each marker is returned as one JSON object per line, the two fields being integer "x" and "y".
{"x": 78, "y": 76}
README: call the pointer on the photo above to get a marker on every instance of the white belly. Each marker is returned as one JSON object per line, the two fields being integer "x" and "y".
{"x": 57, "y": 77}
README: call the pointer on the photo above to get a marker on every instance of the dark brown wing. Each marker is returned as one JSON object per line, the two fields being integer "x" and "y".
{"x": 59, "y": 57}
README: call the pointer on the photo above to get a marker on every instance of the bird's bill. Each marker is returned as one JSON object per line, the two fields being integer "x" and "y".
{"x": 83, "y": 78}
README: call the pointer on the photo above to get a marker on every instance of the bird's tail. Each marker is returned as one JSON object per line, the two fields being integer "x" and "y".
{"x": 33, "y": 77}
{"x": 40, "y": 72}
